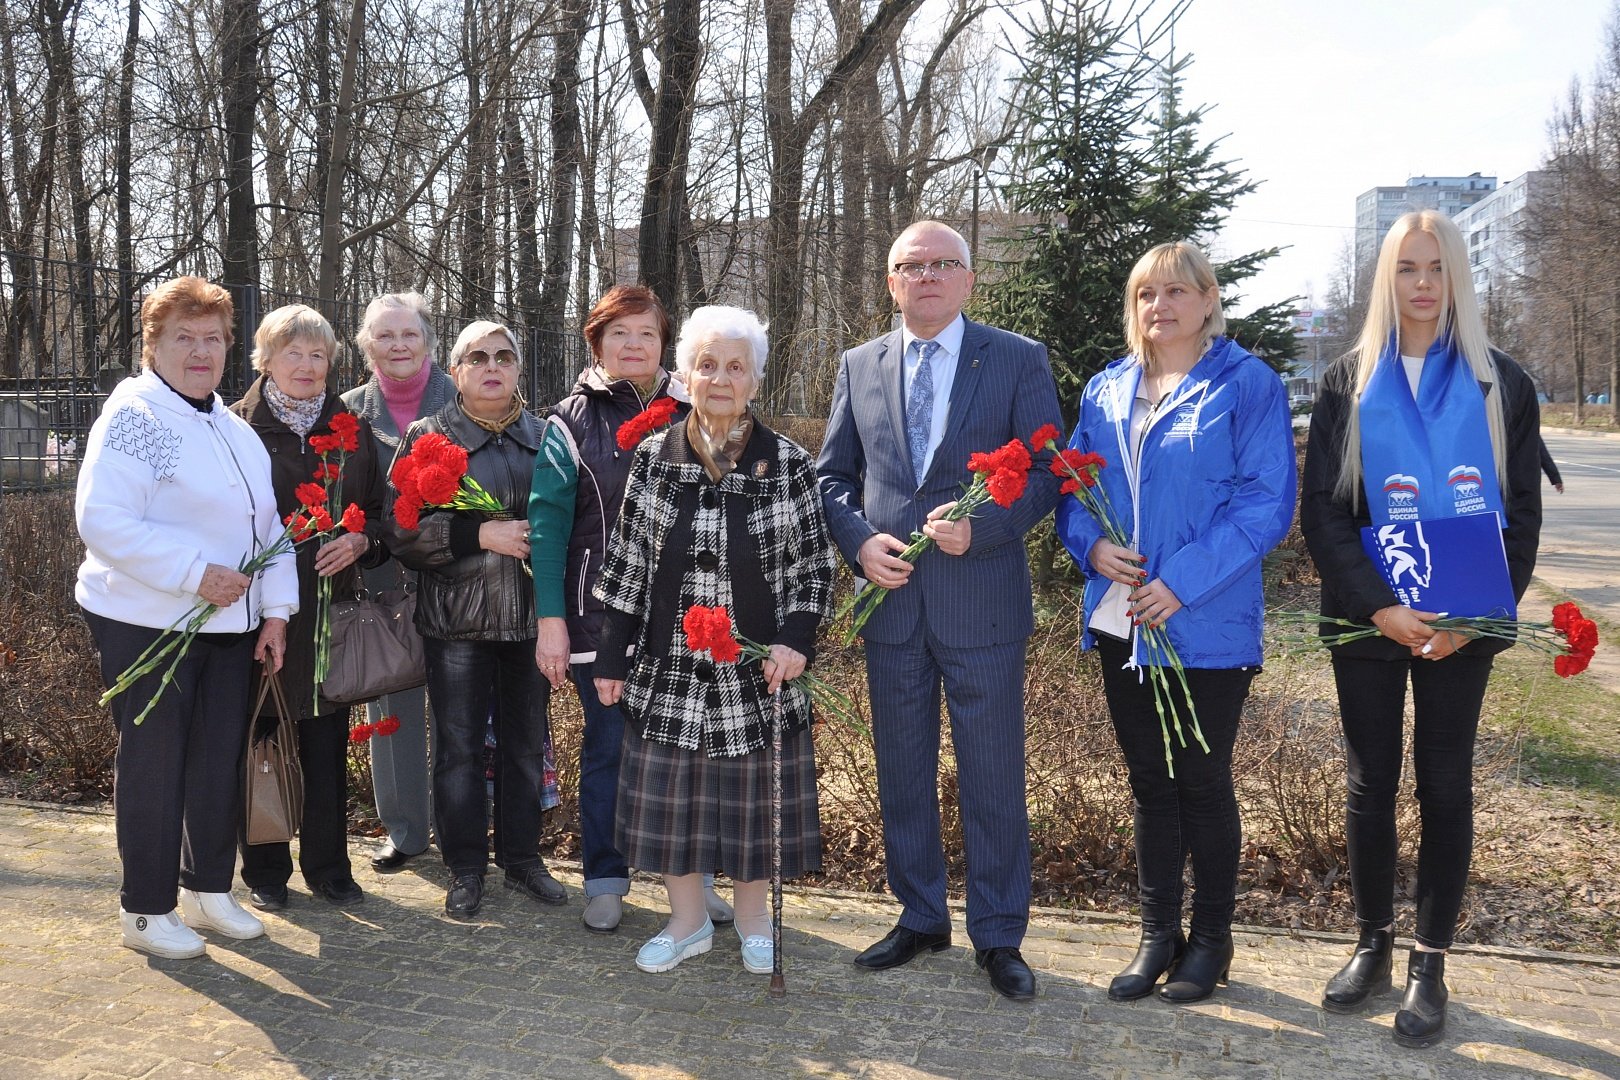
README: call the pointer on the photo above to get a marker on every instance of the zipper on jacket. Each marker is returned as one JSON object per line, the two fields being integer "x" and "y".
{"x": 585, "y": 566}
{"x": 253, "y": 518}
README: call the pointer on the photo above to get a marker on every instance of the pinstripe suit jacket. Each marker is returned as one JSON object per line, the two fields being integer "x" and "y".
{"x": 1003, "y": 390}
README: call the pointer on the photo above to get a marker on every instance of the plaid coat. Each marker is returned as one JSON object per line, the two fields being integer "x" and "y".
{"x": 756, "y": 544}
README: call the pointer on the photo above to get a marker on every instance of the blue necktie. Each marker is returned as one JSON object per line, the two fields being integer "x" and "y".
{"x": 920, "y": 408}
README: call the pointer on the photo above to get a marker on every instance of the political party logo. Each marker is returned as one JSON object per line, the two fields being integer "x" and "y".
{"x": 1465, "y": 483}
{"x": 1408, "y": 562}
{"x": 1401, "y": 492}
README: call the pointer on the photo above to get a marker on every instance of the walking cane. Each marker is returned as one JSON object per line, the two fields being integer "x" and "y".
{"x": 778, "y": 984}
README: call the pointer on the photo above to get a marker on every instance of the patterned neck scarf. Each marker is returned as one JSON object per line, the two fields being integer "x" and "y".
{"x": 299, "y": 415}
{"x": 719, "y": 459}
{"x": 496, "y": 426}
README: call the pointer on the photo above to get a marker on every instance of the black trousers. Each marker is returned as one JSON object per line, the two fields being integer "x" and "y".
{"x": 323, "y": 838}
{"x": 463, "y": 678}
{"x": 1194, "y": 813}
{"x": 1446, "y": 699}
{"x": 177, "y": 778}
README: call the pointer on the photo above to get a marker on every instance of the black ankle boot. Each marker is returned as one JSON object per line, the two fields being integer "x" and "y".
{"x": 1365, "y": 976}
{"x": 1207, "y": 961}
{"x": 1422, "y": 1019}
{"x": 1158, "y": 954}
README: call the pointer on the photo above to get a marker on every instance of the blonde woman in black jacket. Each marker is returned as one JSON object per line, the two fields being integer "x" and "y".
{"x": 1421, "y": 401}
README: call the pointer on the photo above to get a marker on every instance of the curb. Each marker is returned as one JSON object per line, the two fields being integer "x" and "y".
{"x": 1583, "y": 432}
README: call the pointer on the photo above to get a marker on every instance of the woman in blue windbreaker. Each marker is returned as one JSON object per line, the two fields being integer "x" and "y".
{"x": 1200, "y": 471}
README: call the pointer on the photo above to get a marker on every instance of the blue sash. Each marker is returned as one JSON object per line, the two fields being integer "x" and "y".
{"x": 1430, "y": 457}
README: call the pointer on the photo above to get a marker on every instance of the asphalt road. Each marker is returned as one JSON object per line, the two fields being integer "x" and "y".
{"x": 1580, "y": 529}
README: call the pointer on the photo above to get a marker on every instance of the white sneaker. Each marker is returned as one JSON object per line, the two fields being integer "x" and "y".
{"x": 161, "y": 935}
{"x": 219, "y": 911}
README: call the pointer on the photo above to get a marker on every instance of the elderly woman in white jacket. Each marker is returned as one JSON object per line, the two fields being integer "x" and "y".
{"x": 174, "y": 495}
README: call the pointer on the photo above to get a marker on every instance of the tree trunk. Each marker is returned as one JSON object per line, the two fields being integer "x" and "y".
{"x": 239, "y": 70}
{"x": 562, "y": 222}
{"x": 338, "y": 165}
{"x": 663, "y": 204}
{"x": 124, "y": 327}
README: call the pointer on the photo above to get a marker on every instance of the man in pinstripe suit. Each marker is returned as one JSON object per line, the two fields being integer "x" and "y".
{"x": 908, "y": 410}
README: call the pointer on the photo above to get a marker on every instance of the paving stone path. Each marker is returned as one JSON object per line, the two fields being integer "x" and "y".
{"x": 395, "y": 989}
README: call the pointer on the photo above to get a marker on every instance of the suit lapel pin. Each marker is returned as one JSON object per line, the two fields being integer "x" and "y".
{"x": 760, "y": 469}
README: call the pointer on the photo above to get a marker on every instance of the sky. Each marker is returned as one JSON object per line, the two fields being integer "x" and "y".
{"x": 1323, "y": 99}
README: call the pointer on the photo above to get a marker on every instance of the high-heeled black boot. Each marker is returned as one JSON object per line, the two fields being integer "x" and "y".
{"x": 1366, "y": 975}
{"x": 1158, "y": 954}
{"x": 1207, "y": 961}
{"x": 1422, "y": 1019}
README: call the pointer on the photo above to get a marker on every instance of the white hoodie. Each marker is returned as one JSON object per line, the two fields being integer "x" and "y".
{"x": 164, "y": 491}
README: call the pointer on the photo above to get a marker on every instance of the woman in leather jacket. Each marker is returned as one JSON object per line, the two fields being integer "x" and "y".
{"x": 475, "y": 611}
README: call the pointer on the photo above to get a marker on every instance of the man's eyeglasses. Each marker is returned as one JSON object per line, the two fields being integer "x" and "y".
{"x": 504, "y": 359}
{"x": 940, "y": 268}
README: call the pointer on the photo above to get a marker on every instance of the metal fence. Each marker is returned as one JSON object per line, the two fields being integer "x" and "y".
{"x": 69, "y": 332}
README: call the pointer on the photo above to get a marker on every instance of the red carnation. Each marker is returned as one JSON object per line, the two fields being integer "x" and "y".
{"x": 311, "y": 495}
{"x": 387, "y": 725}
{"x": 403, "y": 475}
{"x": 408, "y": 512}
{"x": 324, "y": 444}
{"x": 1069, "y": 486}
{"x": 354, "y": 518}
{"x": 1006, "y": 485}
{"x": 346, "y": 426}
{"x": 321, "y": 518}
{"x": 1046, "y": 434}
{"x": 361, "y": 732}
{"x": 1571, "y": 663}
{"x": 726, "y": 651}
{"x": 981, "y": 463}
{"x": 301, "y": 527}
{"x": 436, "y": 484}
{"x": 1563, "y": 615}
{"x": 1582, "y": 637}
{"x": 708, "y": 629}
{"x": 648, "y": 420}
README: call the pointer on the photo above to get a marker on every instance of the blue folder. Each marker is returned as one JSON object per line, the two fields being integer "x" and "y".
{"x": 1455, "y": 565}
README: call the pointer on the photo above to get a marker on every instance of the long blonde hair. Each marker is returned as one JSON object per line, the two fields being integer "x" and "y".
{"x": 1459, "y": 317}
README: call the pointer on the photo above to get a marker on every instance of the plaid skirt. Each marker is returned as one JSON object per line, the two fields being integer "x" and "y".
{"x": 683, "y": 812}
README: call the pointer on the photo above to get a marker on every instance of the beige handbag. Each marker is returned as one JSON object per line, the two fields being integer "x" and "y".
{"x": 273, "y": 784}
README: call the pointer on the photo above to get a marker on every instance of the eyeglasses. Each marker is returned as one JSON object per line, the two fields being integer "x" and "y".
{"x": 941, "y": 268}
{"x": 505, "y": 358}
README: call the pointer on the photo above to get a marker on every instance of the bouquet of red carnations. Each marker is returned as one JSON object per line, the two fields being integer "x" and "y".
{"x": 708, "y": 629}
{"x": 1571, "y": 639}
{"x": 999, "y": 476}
{"x": 315, "y": 521}
{"x": 1162, "y": 663}
{"x": 645, "y": 422}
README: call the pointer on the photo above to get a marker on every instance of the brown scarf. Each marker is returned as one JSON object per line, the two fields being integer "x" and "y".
{"x": 495, "y": 426}
{"x": 719, "y": 460}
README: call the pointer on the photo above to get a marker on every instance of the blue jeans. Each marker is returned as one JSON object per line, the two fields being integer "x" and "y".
{"x": 463, "y": 678}
{"x": 605, "y": 869}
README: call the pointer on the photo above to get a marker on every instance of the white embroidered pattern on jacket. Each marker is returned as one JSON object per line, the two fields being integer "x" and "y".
{"x": 136, "y": 432}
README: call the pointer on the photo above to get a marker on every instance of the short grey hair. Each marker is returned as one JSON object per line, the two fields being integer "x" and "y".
{"x": 719, "y": 323}
{"x": 408, "y": 301}
{"x": 929, "y": 225}
{"x": 478, "y": 329}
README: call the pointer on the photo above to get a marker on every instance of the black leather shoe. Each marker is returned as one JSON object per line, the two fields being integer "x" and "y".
{"x": 1422, "y": 1019}
{"x": 899, "y": 946}
{"x": 340, "y": 891}
{"x": 268, "y": 897}
{"x": 538, "y": 883}
{"x": 1008, "y": 973}
{"x": 1365, "y": 976}
{"x": 1158, "y": 954}
{"x": 390, "y": 858}
{"x": 465, "y": 897}
{"x": 1207, "y": 961}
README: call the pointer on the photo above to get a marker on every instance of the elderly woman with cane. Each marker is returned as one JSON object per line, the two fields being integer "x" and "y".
{"x": 719, "y": 512}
